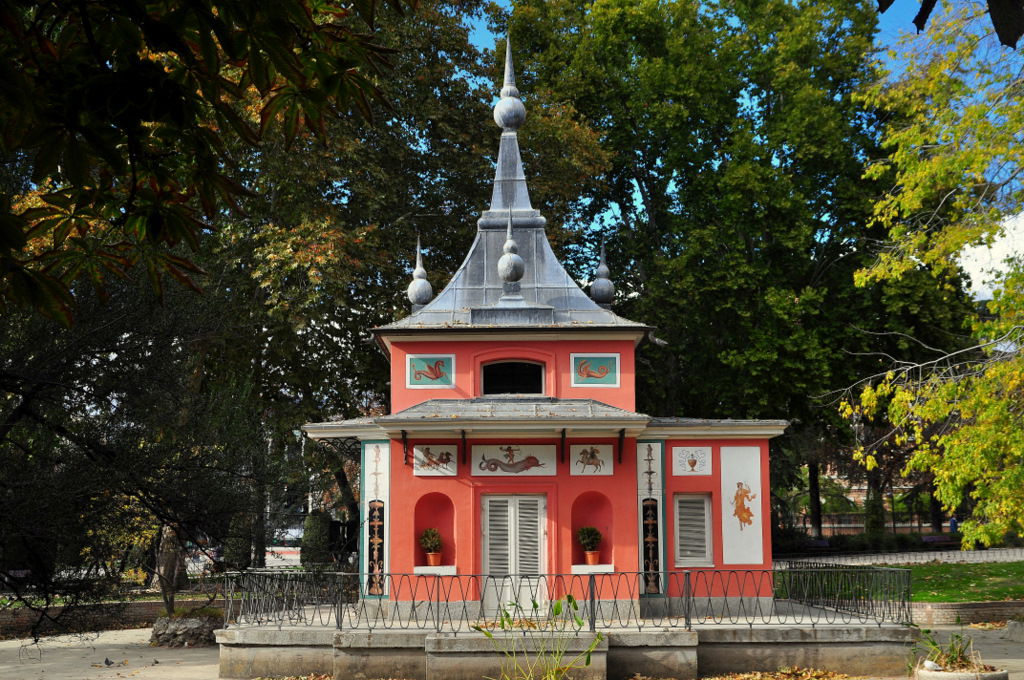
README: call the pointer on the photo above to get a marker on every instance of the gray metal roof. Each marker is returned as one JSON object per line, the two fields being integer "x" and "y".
{"x": 513, "y": 408}
{"x": 476, "y": 296}
{"x": 537, "y": 416}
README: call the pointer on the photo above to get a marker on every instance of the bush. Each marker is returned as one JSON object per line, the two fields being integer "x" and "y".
{"x": 589, "y": 538}
{"x": 430, "y": 540}
{"x": 238, "y": 543}
{"x": 316, "y": 539}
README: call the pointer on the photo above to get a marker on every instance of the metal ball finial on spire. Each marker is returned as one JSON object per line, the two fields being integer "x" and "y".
{"x": 510, "y": 265}
{"x": 602, "y": 290}
{"x": 509, "y": 112}
{"x": 419, "y": 291}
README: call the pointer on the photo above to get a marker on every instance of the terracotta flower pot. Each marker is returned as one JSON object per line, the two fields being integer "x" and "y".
{"x": 434, "y": 559}
{"x": 591, "y": 556}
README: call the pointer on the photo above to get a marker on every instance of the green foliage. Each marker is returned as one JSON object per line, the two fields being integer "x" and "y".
{"x": 430, "y": 540}
{"x": 125, "y": 114}
{"x": 589, "y": 538}
{"x": 238, "y": 542}
{"x": 534, "y": 643}
{"x": 316, "y": 546}
{"x": 956, "y": 161}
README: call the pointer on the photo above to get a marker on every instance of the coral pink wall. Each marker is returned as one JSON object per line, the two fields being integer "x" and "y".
{"x": 554, "y": 354}
{"x": 711, "y": 484}
{"x": 611, "y": 498}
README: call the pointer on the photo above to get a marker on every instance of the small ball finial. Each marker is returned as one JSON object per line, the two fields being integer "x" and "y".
{"x": 419, "y": 292}
{"x": 602, "y": 290}
{"x": 510, "y": 265}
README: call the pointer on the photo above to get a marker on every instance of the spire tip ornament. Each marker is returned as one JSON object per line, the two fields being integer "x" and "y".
{"x": 602, "y": 290}
{"x": 419, "y": 292}
{"x": 510, "y": 265}
{"x": 509, "y": 112}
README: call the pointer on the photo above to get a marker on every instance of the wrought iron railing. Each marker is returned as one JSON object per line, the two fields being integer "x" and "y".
{"x": 621, "y": 600}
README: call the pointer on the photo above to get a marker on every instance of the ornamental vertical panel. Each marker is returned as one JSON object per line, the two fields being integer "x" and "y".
{"x": 742, "y": 536}
{"x": 650, "y": 462}
{"x": 375, "y": 499}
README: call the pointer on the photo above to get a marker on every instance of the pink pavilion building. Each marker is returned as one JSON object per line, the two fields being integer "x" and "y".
{"x": 513, "y": 424}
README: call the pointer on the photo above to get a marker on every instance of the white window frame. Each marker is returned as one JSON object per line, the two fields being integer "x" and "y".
{"x": 707, "y": 560}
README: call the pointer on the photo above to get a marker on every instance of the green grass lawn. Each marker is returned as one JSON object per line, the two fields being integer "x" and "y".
{"x": 939, "y": 582}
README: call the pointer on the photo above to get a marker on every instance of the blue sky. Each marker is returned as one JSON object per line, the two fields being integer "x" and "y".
{"x": 896, "y": 20}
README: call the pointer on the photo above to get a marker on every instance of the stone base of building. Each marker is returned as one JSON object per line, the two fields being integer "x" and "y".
{"x": 870, "y": 650}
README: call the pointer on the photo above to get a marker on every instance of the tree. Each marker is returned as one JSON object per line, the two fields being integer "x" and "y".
{"x": 125, "y": 112}
{"x": 1007, "y": 17}
{"x": 181, "y": 411}
{"x": 736, "y": 206}
{"x": 956, "y": 164}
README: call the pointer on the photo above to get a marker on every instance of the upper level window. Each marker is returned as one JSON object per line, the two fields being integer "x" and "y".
{"x": 513, "y": 377}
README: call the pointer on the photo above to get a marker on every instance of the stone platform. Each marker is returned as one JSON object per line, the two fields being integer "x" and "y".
{"x": 866, "y": 650}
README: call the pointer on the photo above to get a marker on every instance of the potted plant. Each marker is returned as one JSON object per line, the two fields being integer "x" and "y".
{"x": 590, "y": 541}
{"x": 957, "y": 660}
{"x": 430, "y": 541}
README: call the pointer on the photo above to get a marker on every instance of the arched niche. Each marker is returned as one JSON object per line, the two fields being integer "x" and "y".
{"x": 437, "y": 511}
{"x": 593, "y": 509}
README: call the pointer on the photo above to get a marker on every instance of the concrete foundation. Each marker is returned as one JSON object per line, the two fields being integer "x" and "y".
{"x": 854, "y": 650}
{"x": 259, "y": 651}
{"x": 363, "y": 655}
{"x": 867, "y": 650}
{"x": 471, "y": 657}
{"x": 654, "y": 654}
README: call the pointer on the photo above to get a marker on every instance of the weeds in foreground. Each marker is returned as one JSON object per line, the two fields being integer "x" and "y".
{"x": 534, "y": 646}
{"x": 956, "y": 655}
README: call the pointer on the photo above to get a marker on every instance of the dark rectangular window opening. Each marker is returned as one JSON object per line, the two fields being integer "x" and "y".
{"x": 513, "y": 377}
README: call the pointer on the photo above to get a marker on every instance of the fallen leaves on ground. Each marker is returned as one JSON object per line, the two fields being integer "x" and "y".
{"x": 794, "y": 673}
{"x": 988, "y": 625}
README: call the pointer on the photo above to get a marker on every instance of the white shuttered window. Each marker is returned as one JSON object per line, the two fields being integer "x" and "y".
{"x": 513, "y": 535}
{"x": 693, "y": 530}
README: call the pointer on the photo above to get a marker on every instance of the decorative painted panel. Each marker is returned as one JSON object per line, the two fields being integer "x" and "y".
{"x": 430, "y": 371}
{"x": 691, "y": 461}
{"x": 595, "y": 370}
{"x": 513, "y": 460}
{"x": 591, "y": 459}
{"x": 376, "y": 500}
{"x": 742, "y": 533}
{"x": 435, "y": 460}
{"x": 650, "y": 502}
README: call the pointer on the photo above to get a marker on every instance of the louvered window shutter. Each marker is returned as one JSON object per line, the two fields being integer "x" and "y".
{"x": 496, "y": 534}
{"x": 693, "y": 540}
{"x": 527, "y": 548}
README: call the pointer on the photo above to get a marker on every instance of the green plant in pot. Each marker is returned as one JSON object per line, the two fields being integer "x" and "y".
{"x": 590, "y": 541}
{"x": 430, "y": 541}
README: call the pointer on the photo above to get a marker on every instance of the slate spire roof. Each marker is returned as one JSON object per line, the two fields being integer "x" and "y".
{"x": 477, "y": 296}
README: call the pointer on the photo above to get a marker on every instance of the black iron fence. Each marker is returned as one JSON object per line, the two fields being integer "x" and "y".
{"x": 621, "y": 600}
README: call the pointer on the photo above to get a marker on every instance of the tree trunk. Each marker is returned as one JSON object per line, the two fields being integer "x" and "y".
{"x": 814, "y": 498}
{"x": 874, "y": 505}
{"x": 170, "y": 569}
{"x": 935, "y": 515}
